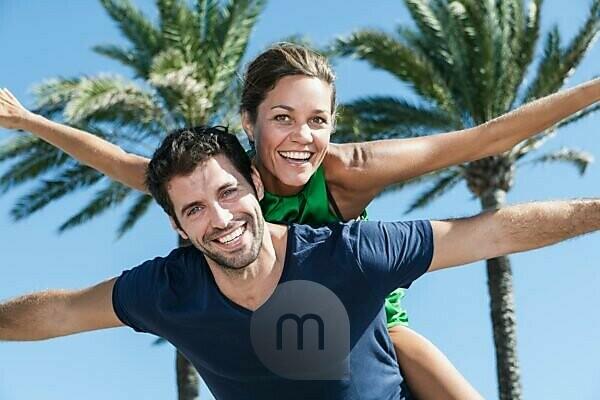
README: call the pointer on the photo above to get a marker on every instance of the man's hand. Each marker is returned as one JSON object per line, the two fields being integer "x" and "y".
{"x": 511, "y": 230}
{"x": 56, "y": 313}
{"x": 12, "y": 113}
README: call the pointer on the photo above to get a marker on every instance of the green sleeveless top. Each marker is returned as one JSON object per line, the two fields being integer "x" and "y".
{"x": 314, "y": 205}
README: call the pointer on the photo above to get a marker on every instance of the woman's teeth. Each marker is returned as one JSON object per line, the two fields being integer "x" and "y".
{"x": 296, "y": 155}
{"x": 232, "y": 236}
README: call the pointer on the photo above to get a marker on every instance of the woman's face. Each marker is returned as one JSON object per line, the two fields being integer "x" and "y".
{"x": 291, "y": 132}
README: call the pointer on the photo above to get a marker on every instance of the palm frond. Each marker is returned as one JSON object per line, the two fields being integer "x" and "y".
{"x": 104, "y": 199}
{"x": 52, "y": 96}
{"x": 582, "y": 42}
{"x": 114, "y": 100}
{"x": 558, "y": 64}
{"x": 530, "y": 36}
{"x": 548, "y": 77}
{"x": 67, "y": 182}
{"x": 185, "y": 93}
{"x": 479, "y": 23}
{"x": 208, "y": 14}
{"x": 30, "y": 166}
{"x": 363, "y": 118}
{"x": 180, "y": 27}
{"x": 577, "y": 158}
{"x": 578, "y": 116}
{"x": 140, "y": 206}
{"x": 507, "y": 45}
{"x": 428, "y": 23}
{"x": 384, "y": 52}
{"x": 19, "y": 146}
{"x": 124, "y": 56}
{"x": 136, "y": 27}
{"x": 411, "y": 182}
{"x": 446, "y": 181}
{"x": 234, "y": 34}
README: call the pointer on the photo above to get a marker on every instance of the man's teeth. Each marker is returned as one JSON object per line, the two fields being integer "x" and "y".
{"x": 232, "y": 236}
{"x": 296, "y": 155}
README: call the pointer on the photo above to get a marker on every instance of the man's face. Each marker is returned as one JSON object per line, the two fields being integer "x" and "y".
{"x": 219, "y": 213}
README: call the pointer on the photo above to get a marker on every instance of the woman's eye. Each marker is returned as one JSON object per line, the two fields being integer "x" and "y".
{"x": 319, "y": 120}
{"x": 282, "y": 118}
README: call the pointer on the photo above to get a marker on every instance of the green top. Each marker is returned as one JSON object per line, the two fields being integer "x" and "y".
{"x": 313, "y": 205}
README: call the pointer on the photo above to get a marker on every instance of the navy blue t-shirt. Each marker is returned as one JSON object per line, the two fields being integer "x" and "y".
{"x": 176, "y": 298}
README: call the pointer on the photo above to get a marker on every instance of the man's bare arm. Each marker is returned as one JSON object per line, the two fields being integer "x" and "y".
{"x": 511, "y": 230}
{"x": 57, "y": 313}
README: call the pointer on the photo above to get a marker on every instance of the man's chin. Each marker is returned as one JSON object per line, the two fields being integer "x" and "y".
{"x": 232, "y": 263}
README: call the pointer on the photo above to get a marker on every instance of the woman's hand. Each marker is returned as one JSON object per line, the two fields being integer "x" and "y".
{"x": 12, "y": 113}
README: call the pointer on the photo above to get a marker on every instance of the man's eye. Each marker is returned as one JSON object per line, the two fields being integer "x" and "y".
{"x": 229, "y": 193}
{"x": 193, "y": 210}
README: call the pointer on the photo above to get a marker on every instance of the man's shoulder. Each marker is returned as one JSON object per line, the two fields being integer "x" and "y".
{"x": 176, "y": 263}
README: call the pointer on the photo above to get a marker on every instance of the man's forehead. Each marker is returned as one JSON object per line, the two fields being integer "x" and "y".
{"x": 214, "y": 172}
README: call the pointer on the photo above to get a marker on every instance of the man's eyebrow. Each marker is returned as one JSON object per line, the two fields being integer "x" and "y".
{"x": 226, "y": 186}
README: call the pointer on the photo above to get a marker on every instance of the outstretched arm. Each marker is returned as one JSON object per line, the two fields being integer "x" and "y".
{"x": 360, "y": 171}
{"x": 511, "y": 230}
{"x": 56, "y": 313}
{"x": 111, "y": 160}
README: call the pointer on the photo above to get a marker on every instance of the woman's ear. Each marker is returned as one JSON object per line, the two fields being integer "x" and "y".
{"x": 180, "y": 231}
{"x": 248, "y": 125}
{"x": 258, "y": 185}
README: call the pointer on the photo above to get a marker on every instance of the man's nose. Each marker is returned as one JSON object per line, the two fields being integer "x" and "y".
{"x": 220, "y": 217}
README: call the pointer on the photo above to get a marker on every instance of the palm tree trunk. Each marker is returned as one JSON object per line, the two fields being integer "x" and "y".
{"x": 188, "y": 381}
{"x": 502, "y": 304}
{"x": 188, "y": 384}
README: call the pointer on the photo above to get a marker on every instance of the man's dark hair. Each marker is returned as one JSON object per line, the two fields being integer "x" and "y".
{"x": 183, "y": 149}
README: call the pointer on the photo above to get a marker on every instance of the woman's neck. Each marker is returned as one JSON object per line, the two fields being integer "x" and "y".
{"x": 274, "y": 186}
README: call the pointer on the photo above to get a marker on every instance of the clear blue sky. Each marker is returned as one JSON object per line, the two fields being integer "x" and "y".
{"x": 556, "y": 293}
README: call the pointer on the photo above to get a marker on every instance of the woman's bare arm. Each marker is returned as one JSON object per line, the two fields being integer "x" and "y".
{"x": 89, "y": 149}
{"x": 359, "y": 171}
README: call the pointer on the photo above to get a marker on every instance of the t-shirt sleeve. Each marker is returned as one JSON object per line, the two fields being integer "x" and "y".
{"x": 135, "y": 295}
{"x": 392, "y": 254}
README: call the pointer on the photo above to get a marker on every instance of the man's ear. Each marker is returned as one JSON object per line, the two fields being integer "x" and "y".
{"x": 248, "y": 125}
{"x": 179, "y": 231}
{"x": 260, "y": 189}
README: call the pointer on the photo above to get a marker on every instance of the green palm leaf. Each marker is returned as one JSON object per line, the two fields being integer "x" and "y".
{"x": 388, "y": 54}
{"x": 134, "y": 25}
{"x": 112, "y": 195}
{"x": 577, "y": 158}
{"x": 368, "y": 118}
{"x": 117, "y": 101}
{"x": 30, "y": 166}
{"x": 71, "y": 179}
{"x": 444, "y": 183}
{"x": 578, "y": 116}
{"x": 139, "y": 208}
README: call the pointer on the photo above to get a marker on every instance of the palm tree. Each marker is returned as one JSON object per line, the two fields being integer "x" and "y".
{"x": 466, "y": 60}
{"x": 184, "y": 68}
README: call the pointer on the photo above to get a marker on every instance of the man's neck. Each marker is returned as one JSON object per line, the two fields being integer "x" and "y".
{"x": 252, "y": 286}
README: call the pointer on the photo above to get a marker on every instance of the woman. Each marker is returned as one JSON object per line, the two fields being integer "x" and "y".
{"x": 288, "y": 111}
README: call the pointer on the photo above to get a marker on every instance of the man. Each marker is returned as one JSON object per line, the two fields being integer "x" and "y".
{"x": 230, "y": 301}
